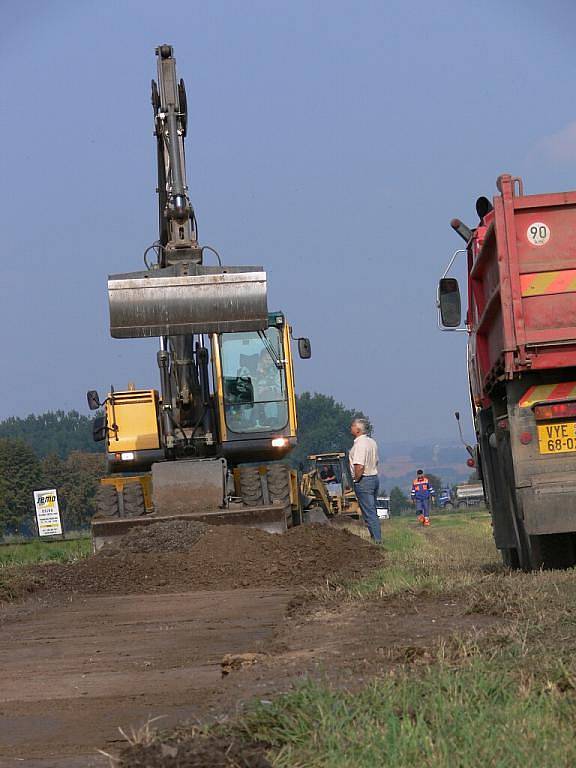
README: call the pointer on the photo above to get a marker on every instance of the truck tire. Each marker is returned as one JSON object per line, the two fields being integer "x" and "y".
{"x": 279, "y": 483}
{"x": 134, "y": 505}
{"x": 553, "y": 550}
{"x": 510, "y": 558}
{"x": 250, "y": 487}
{"x": 107, "y": 502}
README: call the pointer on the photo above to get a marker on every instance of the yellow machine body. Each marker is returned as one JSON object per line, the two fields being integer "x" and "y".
{"x": 132, "y": 418}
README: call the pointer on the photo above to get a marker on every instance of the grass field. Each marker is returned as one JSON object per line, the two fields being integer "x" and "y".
{"x": 38, "y": 551}
{"x": 507, "y": 698}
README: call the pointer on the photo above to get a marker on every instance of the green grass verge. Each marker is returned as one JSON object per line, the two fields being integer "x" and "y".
{"x": 445, "y": 556}
{"x": 44, "y": 551}
{"x": 472, "y": 717}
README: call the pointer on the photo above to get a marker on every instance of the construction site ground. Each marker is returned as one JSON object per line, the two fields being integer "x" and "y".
{"x": 222, "y": 625}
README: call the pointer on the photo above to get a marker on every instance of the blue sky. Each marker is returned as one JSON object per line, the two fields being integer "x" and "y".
{"x": 330, "y": 141}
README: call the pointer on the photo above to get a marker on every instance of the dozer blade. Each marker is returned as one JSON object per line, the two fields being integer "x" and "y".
{"x": 168, "y": 303}
{"x": 272, "y": 518}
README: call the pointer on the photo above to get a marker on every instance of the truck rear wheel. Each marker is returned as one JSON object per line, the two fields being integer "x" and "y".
{"x": 107, "y": 502}
{"x": 251, "y": 487}
{"x": 554, "y": 550}
{"x": 510, "y": 558}
{"x": 134, "y": 505}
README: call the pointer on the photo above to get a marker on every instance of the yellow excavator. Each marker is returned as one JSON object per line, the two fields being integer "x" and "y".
{"x": 208, "y": 445}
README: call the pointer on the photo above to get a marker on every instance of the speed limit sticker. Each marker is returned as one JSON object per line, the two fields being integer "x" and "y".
{"x": 538, "y": 233}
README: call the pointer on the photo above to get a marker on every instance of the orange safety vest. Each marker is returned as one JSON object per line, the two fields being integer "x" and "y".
{"x": 421, "y": 487}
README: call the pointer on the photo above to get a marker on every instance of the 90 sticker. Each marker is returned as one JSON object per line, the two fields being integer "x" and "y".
{"x": 538, "y": 233}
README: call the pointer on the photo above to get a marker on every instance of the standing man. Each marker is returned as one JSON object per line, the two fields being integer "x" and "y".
{"x": 421, "y": 494}
{"x": 364, "y": 467}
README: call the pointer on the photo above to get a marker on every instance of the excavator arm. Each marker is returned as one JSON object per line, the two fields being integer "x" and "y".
{"x": 178, "y": 237}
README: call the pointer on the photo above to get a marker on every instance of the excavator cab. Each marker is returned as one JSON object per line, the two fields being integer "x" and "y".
{"x": 256, "y": 402}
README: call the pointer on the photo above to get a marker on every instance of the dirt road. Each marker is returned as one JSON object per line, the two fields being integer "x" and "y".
{"x": 72, "y": 673}
{"x": 118, "y": 639}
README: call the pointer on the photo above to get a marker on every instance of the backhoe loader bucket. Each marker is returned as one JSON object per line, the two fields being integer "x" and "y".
{"x": 168, "y": 303}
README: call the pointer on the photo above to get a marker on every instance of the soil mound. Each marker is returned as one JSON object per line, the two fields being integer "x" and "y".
{"x": 175, "y": 536}
{"x": 221, "y": 557}
{"x": 198, "y": 752}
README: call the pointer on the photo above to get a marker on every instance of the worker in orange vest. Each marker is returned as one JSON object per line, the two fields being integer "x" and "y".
{"x": 421, "y": 495}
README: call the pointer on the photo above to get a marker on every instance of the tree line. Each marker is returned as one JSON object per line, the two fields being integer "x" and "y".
{"x": 22, "y": 472}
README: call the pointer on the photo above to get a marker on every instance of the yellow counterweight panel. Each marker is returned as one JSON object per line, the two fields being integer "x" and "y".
{"x": 132, "y": 419}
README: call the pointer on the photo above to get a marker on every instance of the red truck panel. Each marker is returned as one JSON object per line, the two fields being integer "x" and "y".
{"x": 522, "y": 284}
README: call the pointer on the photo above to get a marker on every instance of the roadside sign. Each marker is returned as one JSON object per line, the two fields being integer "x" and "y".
{"x": 47, "y": 513}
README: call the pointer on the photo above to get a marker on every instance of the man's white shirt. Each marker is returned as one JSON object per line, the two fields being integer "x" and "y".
{"x": 364, "y": 452}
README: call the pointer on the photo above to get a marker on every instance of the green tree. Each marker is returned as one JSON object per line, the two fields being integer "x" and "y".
{"x": 435, "y": 481}
{"x": 76, "y": 480}
{"x": 20, "y": 476}
{"x": 54, "y": 432}
{"x": 398, "y": 501}
{"x": 323, "y": 426}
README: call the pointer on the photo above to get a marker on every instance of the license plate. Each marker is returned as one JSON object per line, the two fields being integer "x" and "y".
{"x": 557, "y": 438}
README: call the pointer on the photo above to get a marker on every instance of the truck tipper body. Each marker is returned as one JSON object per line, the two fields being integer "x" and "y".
{"x": 521, "y": 325}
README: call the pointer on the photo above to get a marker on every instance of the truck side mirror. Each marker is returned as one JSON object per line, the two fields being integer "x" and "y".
{"x": 449, "y": 302}
{"x": 304, "y": 348}
{"x": 93, "y": 400}
{"x": 99, "y": 430}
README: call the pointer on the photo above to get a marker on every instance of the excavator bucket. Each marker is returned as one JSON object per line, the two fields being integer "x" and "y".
{"x": 170, "y": 303}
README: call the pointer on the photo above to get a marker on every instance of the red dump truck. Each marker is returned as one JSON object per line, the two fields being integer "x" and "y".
{"x": 521, "y": 326}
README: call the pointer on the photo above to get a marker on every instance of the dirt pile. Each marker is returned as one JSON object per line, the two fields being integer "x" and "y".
{"x": 199, "y": 752}
{"x": 221, "y": 557}
{"x": 176, "y": 536}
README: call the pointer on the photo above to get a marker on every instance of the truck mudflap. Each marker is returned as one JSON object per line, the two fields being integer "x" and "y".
{"x": 273, "y": 518}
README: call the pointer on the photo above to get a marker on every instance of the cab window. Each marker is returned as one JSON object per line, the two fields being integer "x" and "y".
{"x": 254, "y": 381}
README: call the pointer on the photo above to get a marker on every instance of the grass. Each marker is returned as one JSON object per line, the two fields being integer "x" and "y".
{"x": 470, "y": 717}
{"x": 452, "y": 554}
{"x": 507, "y": 698}
{"x": 38, "y": 551}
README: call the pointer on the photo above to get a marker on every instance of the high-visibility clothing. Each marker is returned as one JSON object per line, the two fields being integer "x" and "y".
{"x": 421, "y": 488}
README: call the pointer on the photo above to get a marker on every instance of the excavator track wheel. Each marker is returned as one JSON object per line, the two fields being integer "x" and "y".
{"x": 133, "y": 500}
{"x": 279, "y": 482}
{"x": 250, "y": 486}
{"x": 107, "y": 502}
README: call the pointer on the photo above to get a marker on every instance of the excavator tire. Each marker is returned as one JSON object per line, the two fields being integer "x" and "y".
{"x": 107, "y": 502}
{"x": 279, "y": 482}
{"x": 133, "y": 500}
{"x": 250, "y": 486}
